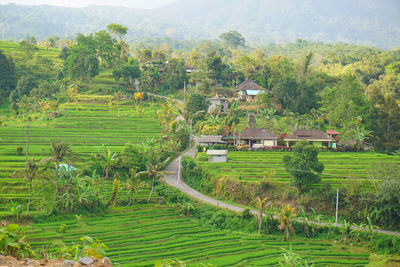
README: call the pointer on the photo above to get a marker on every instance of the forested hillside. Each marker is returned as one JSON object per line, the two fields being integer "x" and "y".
{"x": 371, "y": 22}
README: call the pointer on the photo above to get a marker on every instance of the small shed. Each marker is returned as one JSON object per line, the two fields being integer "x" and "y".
{"x": 217, "y": 155}
{"x": 210, "y": 140}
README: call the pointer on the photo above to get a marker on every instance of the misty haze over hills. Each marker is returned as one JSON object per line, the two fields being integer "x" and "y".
{"x": 366, "y": 22}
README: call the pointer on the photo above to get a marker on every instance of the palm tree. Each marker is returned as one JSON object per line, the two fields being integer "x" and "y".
{"x": 31, "y": 172}
{"x": 116, "y": 187}
{"x": 132, "y": 186}
{"x": 285, "y": 221}
{"x": 346, "y": 227}
{"x": 25, "y": 103}
{"x": 60, "y": 152}
{"x": 108, "y": 159}
{"x": 139, "y": 110}
{"x": 261, "y": 204}
{"x": 186, "y": 207}
{"x": 153, "y": 172}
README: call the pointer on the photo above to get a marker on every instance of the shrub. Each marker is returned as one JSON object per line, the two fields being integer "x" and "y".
{"x": 87, "y": 247}
{"x": 62, "y": 228}
{"x": 195, "y": 176}
{"x": 14, "y": 242}
{"x": 20, "y": 149}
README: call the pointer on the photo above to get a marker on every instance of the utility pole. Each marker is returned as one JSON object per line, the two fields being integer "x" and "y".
{"x": 26, "y": 152}
{"x": 179, "y": 172}
{"x": 190, "y": 132}
{"x": 4, "y": 25}
{"x": 337, "y": 206}
{"x": 184, "y": 91}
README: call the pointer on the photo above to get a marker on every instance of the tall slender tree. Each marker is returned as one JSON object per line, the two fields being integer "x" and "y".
{"x": 261, "y": 204}
{"x": 153, "y": 172}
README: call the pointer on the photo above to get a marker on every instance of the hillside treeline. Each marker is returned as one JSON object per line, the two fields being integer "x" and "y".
{"x": 353, "y": 89}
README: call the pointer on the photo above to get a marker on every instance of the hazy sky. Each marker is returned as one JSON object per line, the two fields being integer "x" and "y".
{"x": 83, "y": 3}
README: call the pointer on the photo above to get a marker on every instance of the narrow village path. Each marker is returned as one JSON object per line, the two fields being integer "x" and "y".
{"x": 166, "y": 97}
{"x": 173, "y": 179}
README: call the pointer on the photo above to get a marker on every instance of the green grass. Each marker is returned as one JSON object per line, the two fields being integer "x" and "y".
{"x": 86, "y": 127}
{"x": 13, "y": 49}
{"x": 143, "y": 234}
{"x": 340, "y": 167}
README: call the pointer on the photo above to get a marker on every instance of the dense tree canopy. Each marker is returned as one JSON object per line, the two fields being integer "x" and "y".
{"x": 303, "y": 165}
{"x": 7, "y": 75}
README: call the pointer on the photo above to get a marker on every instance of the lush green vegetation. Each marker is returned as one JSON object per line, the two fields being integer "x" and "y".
{"x": 89, "y": 108}
{"x": 86, "y": 127}
{"x": 340, "y": 167}
{"x": 144, "y": 234}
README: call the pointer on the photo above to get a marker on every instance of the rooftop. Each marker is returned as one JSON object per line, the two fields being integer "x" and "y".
{"x": 248, "y": 85}
{"x": 332, "y": 132}
{"x": 257, "y": 134}
{"x": 211, "y": 139}
{"x": 217, "y": 152}
{"x": 308, "y": 135}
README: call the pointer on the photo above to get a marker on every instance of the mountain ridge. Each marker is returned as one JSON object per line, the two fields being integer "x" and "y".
{"x": 370, "y": 22}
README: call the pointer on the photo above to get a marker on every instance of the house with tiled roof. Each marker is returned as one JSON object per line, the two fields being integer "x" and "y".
{"x": 248, "y": 90}
{"x": 257, "y": 137}
{"x": 210, "y": 140}
{"x": 315, "y": 137}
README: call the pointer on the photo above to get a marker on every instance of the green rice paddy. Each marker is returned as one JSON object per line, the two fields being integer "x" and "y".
{"x": 147, "y": 233}
{"x": 86, "y": 127}
{"x": 340, "y": 167}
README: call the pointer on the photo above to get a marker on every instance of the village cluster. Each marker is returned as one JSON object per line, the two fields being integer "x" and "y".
{"x": 260, "y": 138}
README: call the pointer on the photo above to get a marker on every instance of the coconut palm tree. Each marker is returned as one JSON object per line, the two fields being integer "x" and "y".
{"x": 261, "y": 204}
{"x": 132, "y": 186}
{"x": 108, "y": 159}
{"x": 60, "y": 152}
{"x": 153, "y": 172}
{"x": 25, "y": 103}
{"x": 285, "y": 219}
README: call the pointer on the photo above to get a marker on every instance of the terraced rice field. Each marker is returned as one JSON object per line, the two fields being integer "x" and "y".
{"x": 86, "y": 127}
{"x": 340, "y": 167}
{"x": 13, "y": 49}
{"x": 144, "y": 234}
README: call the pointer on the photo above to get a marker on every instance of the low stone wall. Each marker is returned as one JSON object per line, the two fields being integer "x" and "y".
{"x": 85, "y": 261}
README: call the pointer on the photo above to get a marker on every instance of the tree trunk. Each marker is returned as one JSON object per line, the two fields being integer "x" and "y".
{"x": 152, "y": 188}
{"x": 29, "y": 199}
{"x": 388, "y": 130}
{"x": 286, "y": 233}
{"x": 106, "y": 172}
